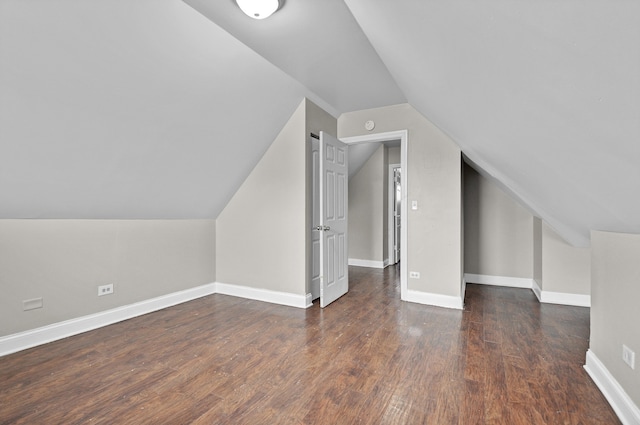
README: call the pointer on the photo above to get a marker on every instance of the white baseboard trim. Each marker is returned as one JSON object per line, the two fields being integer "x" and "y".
{"x": 266, "y": 295}
{"x": 578, "y": 300}
{"x": 548, "y": 297}
{"x": 625, "y": 408}
{"x": 463, "y": 289}
{"x": 31, "y": 338}
{"x": 367, "y": 263}
{"x": 34, "y": 337}
{"x": 536, "y": 290}
{"x": 437, "y": 300}
{"x": 511, "y": 282}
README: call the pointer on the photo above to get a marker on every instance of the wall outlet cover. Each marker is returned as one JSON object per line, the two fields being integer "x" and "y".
{"x": 32, "y": 304}
{"x": 105, "y": 289}
{"x": 629, "y": 356}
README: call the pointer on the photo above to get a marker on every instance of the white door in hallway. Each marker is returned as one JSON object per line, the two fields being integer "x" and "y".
{"x": 333, "y": 182}
{"x": 397, "y": 206}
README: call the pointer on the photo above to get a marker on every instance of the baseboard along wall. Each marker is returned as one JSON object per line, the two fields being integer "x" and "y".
{"x": 368, "y": 263}
{"x": 619, "y": 400}
{"x": 266, "y": 295}
{"x": 31, "y": 338}
{"x": 436, "y": 300}
{"x": 23, "y": 340}
{"x": 547, "y": 297}
{"x": 511, "y": 282}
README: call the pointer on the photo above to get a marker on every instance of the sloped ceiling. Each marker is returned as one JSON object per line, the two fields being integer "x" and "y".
{"x": 159, "y": 108}
{"x": 320, "y": 44}
{"x": 129, "y": 109}
{"x": 543, "y": 96}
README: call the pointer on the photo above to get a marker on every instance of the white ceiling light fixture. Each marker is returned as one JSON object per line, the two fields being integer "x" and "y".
{"x": 258, "y": 9}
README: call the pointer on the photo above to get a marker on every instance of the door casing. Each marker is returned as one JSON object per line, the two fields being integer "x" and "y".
{"x": 403, "y": 135}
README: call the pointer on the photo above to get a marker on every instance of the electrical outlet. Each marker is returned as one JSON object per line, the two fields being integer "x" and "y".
{"x": 629, "y": 356}
{"x": 32, "y": 304}
{"x": 105, "y": 289}
{"x": 414, "y": 275}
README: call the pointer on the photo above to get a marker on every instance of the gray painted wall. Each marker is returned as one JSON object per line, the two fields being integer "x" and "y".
{"x": 260, "y": 238}
{"x": 504, "y": 239}
{"x": 537, "y": 250}
{"x": 263, "y": 233}
{"x": 369, "y": 206}
{"x": 615, "y": 291}
{"x": 565, "y": 268}
{"x": 64, "y": 262}
{"x": 366, "y": 210}
{"x": 498, "y": 231}
{"x": 393, "y": 155}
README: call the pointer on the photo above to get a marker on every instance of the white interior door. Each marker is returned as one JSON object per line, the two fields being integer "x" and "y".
{"x": 397, "y": 206}
{"x": 394, "y": 223}
{"x": 333, "y": 187}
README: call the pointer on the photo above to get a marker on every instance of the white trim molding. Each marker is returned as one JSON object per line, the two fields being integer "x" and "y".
{"x": 34, "y": 337}
{"x": 266, "y": 295}
{"x": 536, "y": 290}
{"x": 547, "y": 297}
{"x": 45, "y": 334}
{"x": 463, "y": 289}
{"x": 578, "y": 300}
{"x": 367, "y": 263}
{"x": 438, "y": 300}
{"x": 625, "y": 408}
{"x": 511, "y": 282}
{"x": 403, "y": 135}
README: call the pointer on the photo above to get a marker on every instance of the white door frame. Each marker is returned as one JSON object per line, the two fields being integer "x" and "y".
{"x": 391, "y": 226}
{"x": 315, "y": 218}
{"x": 403, "y": 135}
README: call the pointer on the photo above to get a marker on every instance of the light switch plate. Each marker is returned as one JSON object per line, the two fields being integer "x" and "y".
{"x": 629, "y": 356}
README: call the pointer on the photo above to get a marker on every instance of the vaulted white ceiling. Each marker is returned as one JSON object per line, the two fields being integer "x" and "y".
{"x": 130, "y": 109}
{"x": 160, "y": 109}
{"x": 544, "y": 96}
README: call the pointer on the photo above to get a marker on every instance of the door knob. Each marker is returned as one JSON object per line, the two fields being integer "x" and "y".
{"x": 321, "y": 228}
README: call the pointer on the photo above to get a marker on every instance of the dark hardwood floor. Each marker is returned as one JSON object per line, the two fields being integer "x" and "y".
{"x": 366, "y": 359}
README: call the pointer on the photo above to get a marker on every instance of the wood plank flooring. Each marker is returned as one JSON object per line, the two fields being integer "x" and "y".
{"x": 366, "y": 359}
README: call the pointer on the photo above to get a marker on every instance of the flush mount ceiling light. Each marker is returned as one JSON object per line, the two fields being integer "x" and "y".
{"x": 258, "y": 9}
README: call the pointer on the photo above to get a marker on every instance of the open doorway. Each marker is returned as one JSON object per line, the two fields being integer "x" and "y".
{"x": 374, "y": 176}
{"x": 395, "y": 208}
